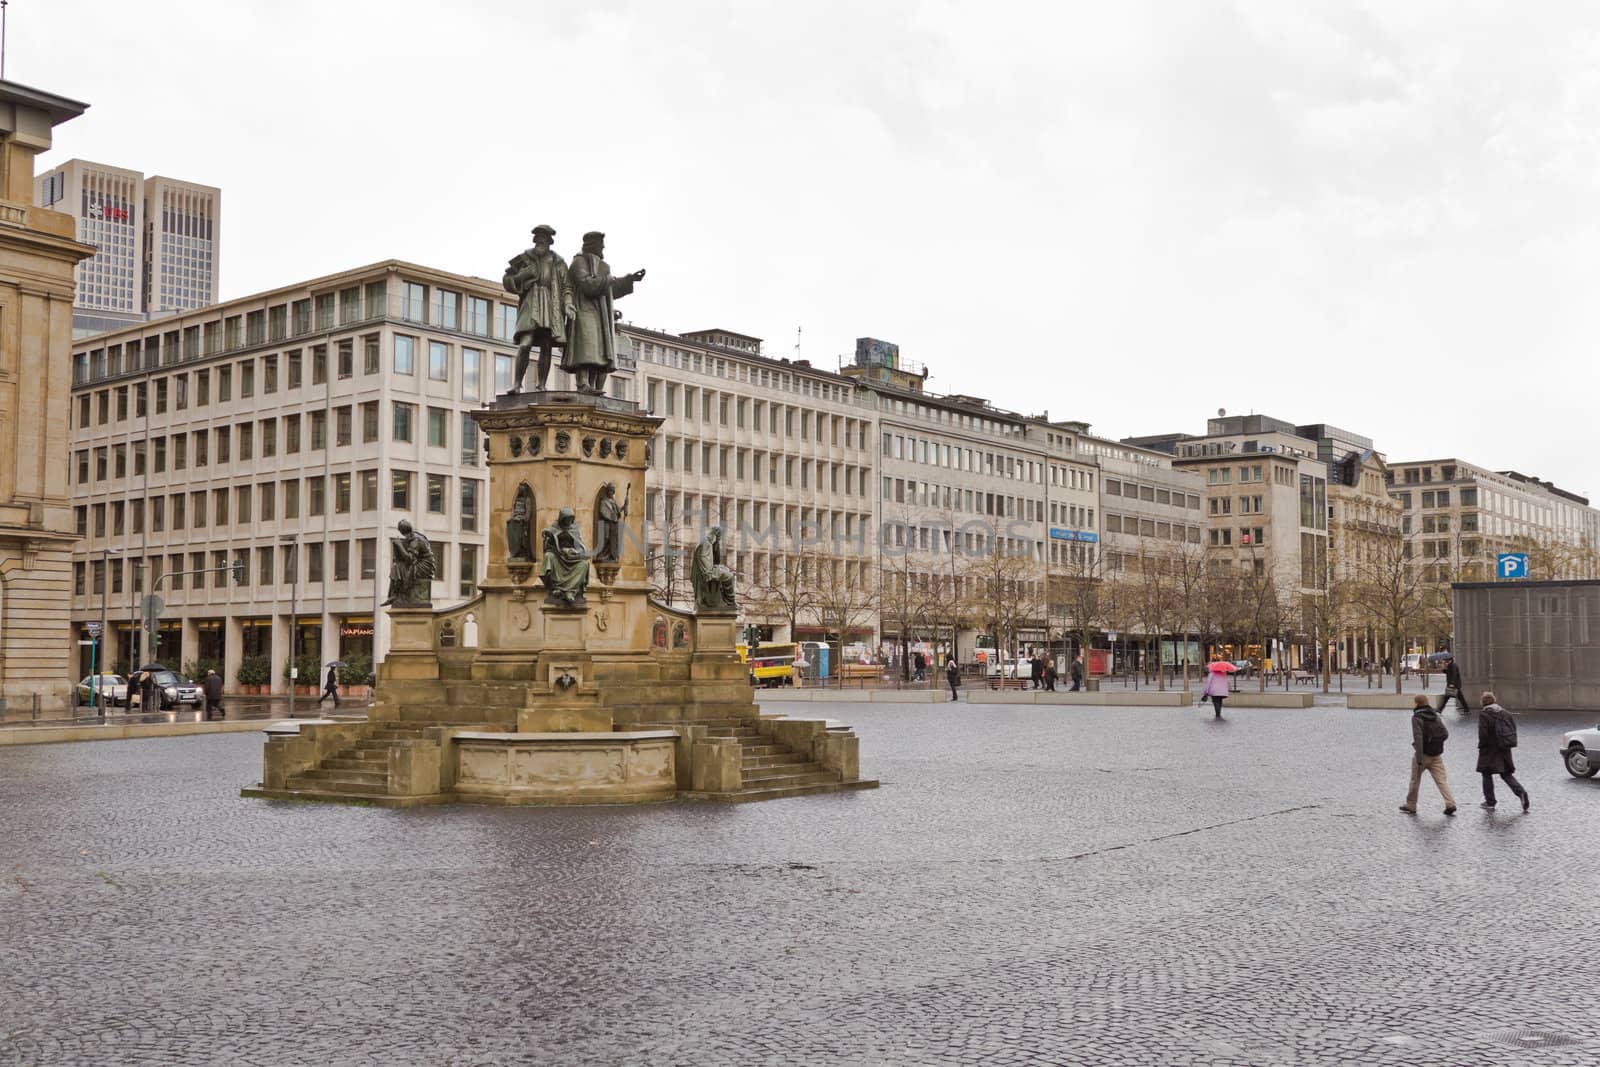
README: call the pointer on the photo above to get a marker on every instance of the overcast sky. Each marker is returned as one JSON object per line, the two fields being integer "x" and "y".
{"x": 1379, "y": 215}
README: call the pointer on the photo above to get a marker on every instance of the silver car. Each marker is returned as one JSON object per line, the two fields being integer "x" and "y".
{"x": 112, "y": 687}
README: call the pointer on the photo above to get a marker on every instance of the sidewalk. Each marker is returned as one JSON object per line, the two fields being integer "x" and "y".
{"x": 245, "y": 714}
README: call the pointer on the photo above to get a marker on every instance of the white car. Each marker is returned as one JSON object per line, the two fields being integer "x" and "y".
{"x": 1580, "y": 751}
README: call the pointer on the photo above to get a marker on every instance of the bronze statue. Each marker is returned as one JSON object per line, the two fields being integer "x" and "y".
{"x": 591, "y": 351}
{"x": 411, "y": 570}
{"x": 712, "y": 580}
{"x": 565, "y": 567}
{"x": 539, "y": 277}
{"x": 519, "y": 527}
{"x": 608, "y": 516}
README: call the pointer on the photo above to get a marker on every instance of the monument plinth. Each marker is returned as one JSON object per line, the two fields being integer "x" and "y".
{"x": 562, "y": 681}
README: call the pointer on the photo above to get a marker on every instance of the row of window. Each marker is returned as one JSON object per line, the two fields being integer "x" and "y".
{"x": 744, "y": 464}
{"x": 712, "y": 407}
{"x": 268, "y": 501}
{"x": 261, "y": 564}
{"x": 979, "y": 461}
{"x": 1152, "y": 494}
{"x": 1157, "y": 528}
{"x": 766, "y": 378}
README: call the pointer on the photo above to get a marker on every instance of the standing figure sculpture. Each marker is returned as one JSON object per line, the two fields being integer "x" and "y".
{"x": 544, "y": 304}
{"x": 411, "y": 570}
{"x": 565, "y": 567}
{"x": 712, "y": 580}
{"x": 591, "y": 351}
{"x": 608, "y": 516}
{"x": 519, "y": 527}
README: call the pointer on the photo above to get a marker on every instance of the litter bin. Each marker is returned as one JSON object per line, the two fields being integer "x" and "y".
{"x": 1092, "y": 684}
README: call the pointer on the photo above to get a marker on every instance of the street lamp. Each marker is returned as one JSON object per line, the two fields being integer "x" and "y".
{"x": 97, "y": 691}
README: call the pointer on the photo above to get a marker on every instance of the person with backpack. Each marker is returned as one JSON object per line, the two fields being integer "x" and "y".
{"x": 1428, "y": 736}
{"x": 1497, "y": 736}
{"x": 1452, "y": 688}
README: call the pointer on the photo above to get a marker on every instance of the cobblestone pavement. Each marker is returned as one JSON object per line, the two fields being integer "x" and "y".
{"x": 1031, "y": 885}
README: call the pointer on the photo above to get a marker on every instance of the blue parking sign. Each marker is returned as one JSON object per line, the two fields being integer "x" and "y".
{"x": 1512, "y": 565}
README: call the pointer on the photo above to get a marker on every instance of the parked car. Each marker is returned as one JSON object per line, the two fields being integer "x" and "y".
{"x": 114, "y": 686}
{"x": 1580, "y": 751}
{"x": 175, "y": 689}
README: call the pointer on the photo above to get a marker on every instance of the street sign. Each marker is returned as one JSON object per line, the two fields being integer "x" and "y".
{"x": 93, "y": 629}
{"x": 1512, "y": 564}
{"x": 85, "y": 642}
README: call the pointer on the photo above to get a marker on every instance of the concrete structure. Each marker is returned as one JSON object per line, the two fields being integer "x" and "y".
{"x": 1534, "y": 644}
{"x": 37, "y": 257}
{"x": 157, "y": 242}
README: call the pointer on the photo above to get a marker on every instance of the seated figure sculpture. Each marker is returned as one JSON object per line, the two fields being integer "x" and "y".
{"x": 711, "y": 578}
{"x": 565, "y": 567}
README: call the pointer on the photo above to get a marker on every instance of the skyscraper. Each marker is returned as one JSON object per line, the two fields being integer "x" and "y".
{"x": 156, "y": 237}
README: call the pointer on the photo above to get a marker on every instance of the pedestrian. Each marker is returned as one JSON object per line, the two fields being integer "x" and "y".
{"x": 1077, "y": 673}
{"x": 211, "y": 689}
{"x": 1452, "y": 688}
{"x": 1497, "y": 736}
{"x": 330, "y": 688}
{"x": 1215, "y": 687}
{"x": 919, "y": 666}
{"x": 149, "y": 694}
{"x": 1428, "y": 735}
{"x": 952, "y": 674}
{"x": 1050, "y": 674}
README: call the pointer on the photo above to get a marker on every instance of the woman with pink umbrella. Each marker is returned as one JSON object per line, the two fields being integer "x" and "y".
{"x": 1216, "y": 686}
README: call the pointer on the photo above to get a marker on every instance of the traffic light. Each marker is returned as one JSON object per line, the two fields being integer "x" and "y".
{"x": 238, "y": 572}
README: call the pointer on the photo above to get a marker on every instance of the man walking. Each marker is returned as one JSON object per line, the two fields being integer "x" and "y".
{"x": 952, "y": 674}
{"x": 211, "y": 689}
{"x": 1077, "y": 673}
{"x": 1035, "y": 669}
{"x": 330, "y": 688}
{"x": 1452, "y": 687}
{"x": 1497, "y": 736}
{"x": 1428, "y": 735}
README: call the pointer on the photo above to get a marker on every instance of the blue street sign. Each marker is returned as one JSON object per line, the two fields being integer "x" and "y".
{"x": 1058, "y": 534}
{"x": 1512, "y": 565}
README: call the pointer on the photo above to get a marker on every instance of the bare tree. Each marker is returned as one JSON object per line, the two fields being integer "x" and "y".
{"x": 1155, "y": 598}
{"x": 907, "y": 597}
{"x": 1391, "y": 595}
{"x": 790, "y": 589}
{"x": 1075, "y": 591}
{"x": 842, "y": 605}
{"x": 1006, "y": 593}
{"x": 1189, "y": 596}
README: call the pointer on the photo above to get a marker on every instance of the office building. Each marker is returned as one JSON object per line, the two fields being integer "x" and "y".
{"x": 156, "y": 240}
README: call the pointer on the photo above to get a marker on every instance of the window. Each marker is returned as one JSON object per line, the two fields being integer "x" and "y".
{"x": 503, "y": 368}
{"x": 224, "y": 384}
{"x": 202, "y": 451}
{"x": 291, "y": 498}
{"x": 269, "y": 375}
{"x": 269, "y": 438}
{"x": 347, "y": 360}
{"x": 438, "y": 428}
{"x": 319, "y": 430}
{"x": 405, "y": 354}
{"x": 241, "y": 503}
{"x": 369, "y": 355}
{"x": 319, "y": 364}
{"x": 291, "y": 434}
{"x": 342, "y": 420}
{"x": 296, "y": 368}
{"x": 471, "y": 370}
{"x": 264, "y": 566}
{"x": 246, "y": 441}
{"x": 247, "y": 379}
{"x": 180, "y": 451}
{"x": 403, "y": 417}
{"x": 369, "y": 421}
{"x": 446, "y": 309}
{"x": 302, "y": 316}
{"x": 478, "y": 316}
{"x": 369, "y": 557}
{"x": 469, "y": 503}
{"x": 469, "y": 440}
{"x": 341, "y": 561}
{"x": 438, "y": 487}
{"x": 413, "y": 301}
{"x": 316, "y": 495}
{"x": 400, "y": 490}
{"x": 469, "y": 571}
{"x": 369, "y": 490}
{"x": 267, "y": 497}
{"x": 438, "y": 361}
{"x": 341, "y": 493}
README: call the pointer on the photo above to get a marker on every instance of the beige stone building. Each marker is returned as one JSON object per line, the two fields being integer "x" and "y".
{"x": 38, "y": 254}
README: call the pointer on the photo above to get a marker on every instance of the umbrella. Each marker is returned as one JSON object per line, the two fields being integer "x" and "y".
{"x": 1221, "y": 666}
{"x": 338, "y": 663}
{"x": 154, "y": 667}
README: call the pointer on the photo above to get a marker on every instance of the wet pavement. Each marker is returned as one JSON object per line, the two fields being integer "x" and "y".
{"x": 1032, "y": 885}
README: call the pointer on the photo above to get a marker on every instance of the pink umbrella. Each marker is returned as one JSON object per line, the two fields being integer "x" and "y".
{"x": 1221, "y": 666}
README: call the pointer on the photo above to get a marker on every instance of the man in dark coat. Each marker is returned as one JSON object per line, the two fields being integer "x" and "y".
{"x": 211, "y": 687}
{"x": 330, "y": 688}
{"x": 1427, "y": 744}
{"x": 1077, "y": 673}
{"x": 1452, "y": 688}
{"x": 1035, "y": 670}
{"x": 1495, "y": 729}
{"x": 952, "y": 674}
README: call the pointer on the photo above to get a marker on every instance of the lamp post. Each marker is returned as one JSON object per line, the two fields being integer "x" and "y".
{"x": 294, "y": 613}
{"x": 95, "y": 688}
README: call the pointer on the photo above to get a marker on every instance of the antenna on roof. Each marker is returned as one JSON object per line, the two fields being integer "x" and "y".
{"x": 797, "y": 329}
{"x": 3, "y": 39}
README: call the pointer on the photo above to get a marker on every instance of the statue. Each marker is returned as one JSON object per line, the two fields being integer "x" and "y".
{"x": 608, "y": 518}
{"x": 565, "y": 570}
{"x": 591, "y": 351}
{"x": 519, "y": 527}
{"x": 544, "y": 304}
{"x": 712, "y": 581}
{"x": 411, "y": 570}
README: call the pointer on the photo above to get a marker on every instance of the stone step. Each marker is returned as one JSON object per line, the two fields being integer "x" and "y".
{"x": 303, "y": 784}
{"x": 379, "y": 763}
{"x": 342, "y": 776}
{"x": 781, "y": 792}
{"x": 764, "y": 750}
{"x": 740, "y": 732}
{"x": 776, "y": 759}
{"x": 768, "y": 777}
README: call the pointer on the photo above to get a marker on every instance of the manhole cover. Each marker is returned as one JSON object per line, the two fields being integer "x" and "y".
{"x": 1532, "y": 1038}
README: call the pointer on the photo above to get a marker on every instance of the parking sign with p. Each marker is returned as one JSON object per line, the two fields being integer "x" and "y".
{"x": 1511, "y": 565}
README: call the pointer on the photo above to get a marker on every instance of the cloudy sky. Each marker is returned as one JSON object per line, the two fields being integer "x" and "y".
{"x": 1379, "y": 215}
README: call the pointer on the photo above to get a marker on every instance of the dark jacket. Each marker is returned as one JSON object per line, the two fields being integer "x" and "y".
{"x": 1421, "y": 720}
{"x": 213, "y": 688}
{"x": 1077, "y": 671}
{"x": 1452, "y": 675}
{"x": 952, "y": 671}
{"x": 333, "y": 679}
{"x": 1492, "y": 758}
